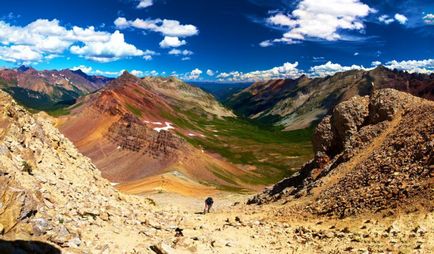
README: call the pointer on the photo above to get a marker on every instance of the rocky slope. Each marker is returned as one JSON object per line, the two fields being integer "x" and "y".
{"x": 45, "y": 90}
{"x": 298, "y": 103}
{"x": 373, "y": 155}
{"x": 54, "y": 200}
{"x": 51, "y": 192}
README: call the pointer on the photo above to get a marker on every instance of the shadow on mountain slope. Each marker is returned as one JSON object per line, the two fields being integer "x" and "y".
{"x": 21, "y": 247}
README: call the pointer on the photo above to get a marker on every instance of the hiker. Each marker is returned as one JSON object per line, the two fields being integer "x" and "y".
{"x": 208, "y": 204}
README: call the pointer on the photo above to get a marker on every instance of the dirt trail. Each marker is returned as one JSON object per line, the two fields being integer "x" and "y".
{"x": 273, "y": 229}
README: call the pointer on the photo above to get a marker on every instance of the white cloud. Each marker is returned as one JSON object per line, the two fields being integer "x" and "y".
{"x": 109, "y": 73}
{"x": 210, "y": 72}
{"x": 166, "y": 27}
{"x": 356, "y": 53}
{"x": 321, "y": 19}
{"x": 148, "y": 54}
{"x": 172, "y": 42}
{"x": 172, "y": 30}
{"x": 385, "y": 19}
{"x": 121, "y": 23}
{"x": 281, "y": 20}
{"x": 194, "y": 74}
{"x": 287, "y": 70}
{"x": 401, "y": 18}
{"x": 144, "y": 4}
{"x": 186, "y": 58}
{"x": 429, "y": 19}
{"x": 46, "y": 39}
{"x": 20, "y": 53}
{"x": 83, "y": 68}
{"x": 330, "y": 68}
{"x": 376, "y": 63}
{"x": 266, "y": 43}
{"x": 178, "y": 52}
{"x": 137, "y": 73}
{"x": 412, "y": 66}
{"x": 111, "y": 50}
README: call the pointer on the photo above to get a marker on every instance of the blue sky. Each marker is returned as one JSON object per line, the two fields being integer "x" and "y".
{"x": 227, "y": 40}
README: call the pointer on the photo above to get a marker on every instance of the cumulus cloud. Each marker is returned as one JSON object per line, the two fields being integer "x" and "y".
{"x": 401, "y": 18}
{"x": 210, "y": 72}
{"x": 113, "y": 49}
{"x": 330, "y": 68}
{"x": 429, "y": 19}
{"x": 144, "y": 4}
{"x": 194, "y": 74}
{"x": 178, "y": 52}
{"x": 172, "y": 42}
{"x": 137, "y": 73}
{"x": 319, "y": 19}
{"x": 376, "y": 63}
{"x": 287, "y": 70}
{"x": 148, "y": 54}
{"x": 20, "y": 53}
{"x": 385, "y": 19}
{"x": 412, "y": 66}
{"x": 166, "y": 27}
{"x": 172, "y": 30}
{"x": 83, "y": 68}
{"x": 46, "y": 39}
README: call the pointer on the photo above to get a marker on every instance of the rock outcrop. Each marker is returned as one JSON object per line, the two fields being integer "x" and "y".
{"x": 372, "y": 154}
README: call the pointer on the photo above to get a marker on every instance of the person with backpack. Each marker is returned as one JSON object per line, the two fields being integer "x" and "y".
{"x": 208, "y": 204}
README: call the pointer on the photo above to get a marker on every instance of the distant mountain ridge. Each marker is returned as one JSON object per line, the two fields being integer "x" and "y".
{"x": 48, "y": 89}
{"x": 298, "y": 103}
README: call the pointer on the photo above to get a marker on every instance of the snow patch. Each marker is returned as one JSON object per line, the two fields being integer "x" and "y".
{"x": 166, "y": 128}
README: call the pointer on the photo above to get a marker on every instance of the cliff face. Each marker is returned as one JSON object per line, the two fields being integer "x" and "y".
{"x": 372, "y": 154}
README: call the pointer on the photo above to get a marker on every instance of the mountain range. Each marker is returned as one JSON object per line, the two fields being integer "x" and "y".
{"x": 165, "y": 128}
{"x": 302, "y": 102}
{"x": 49, "y": 89}
{"x": 162, "y": 132}
{"x": 369, "y": 188}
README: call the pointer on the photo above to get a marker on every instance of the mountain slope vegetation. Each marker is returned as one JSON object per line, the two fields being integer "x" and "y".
{"x": 153, "y": 126}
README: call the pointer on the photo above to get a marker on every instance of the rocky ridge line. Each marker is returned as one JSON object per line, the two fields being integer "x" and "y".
{"x": 372, "y": 154}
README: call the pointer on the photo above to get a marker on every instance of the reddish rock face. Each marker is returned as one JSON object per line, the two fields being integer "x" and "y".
{"x": 122, "y": 128}
{"x": 372, "y": 155}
